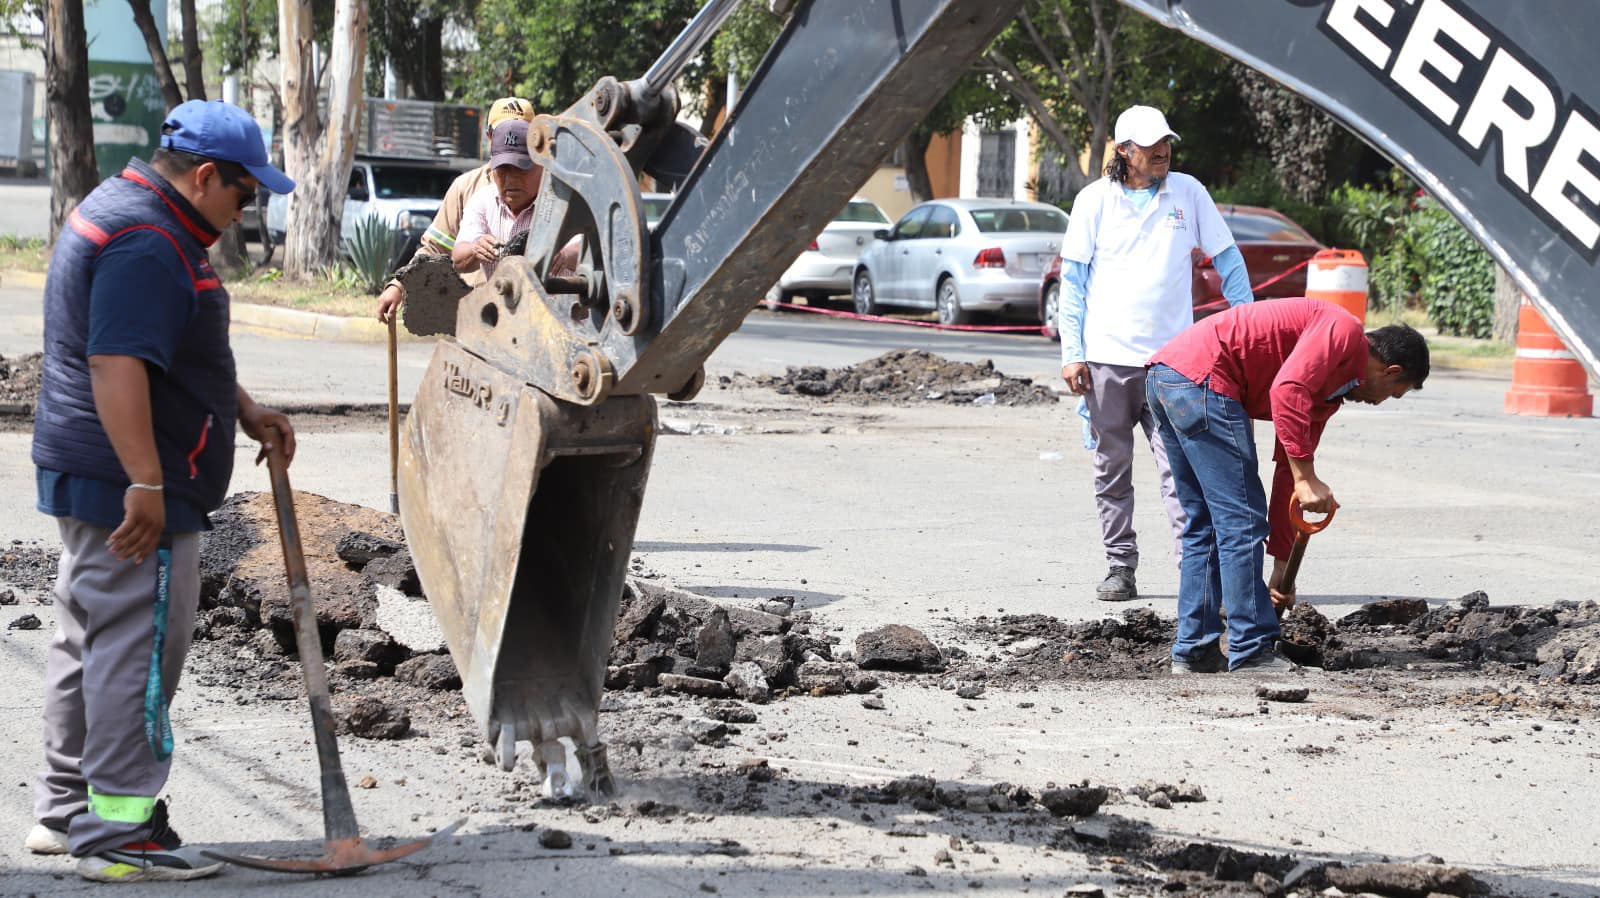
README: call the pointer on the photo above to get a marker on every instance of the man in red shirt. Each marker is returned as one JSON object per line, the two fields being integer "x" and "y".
{"x": 1292, "y": 362}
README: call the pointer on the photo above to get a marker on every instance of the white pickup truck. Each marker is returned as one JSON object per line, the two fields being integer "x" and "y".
{"x": 404, "y": 193}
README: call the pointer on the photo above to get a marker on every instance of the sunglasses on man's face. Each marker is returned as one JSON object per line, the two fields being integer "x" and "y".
{"x": 247, "y": 192}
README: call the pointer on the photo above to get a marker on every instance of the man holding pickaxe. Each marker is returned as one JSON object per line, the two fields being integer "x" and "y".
{"x": 1292, "y": 362}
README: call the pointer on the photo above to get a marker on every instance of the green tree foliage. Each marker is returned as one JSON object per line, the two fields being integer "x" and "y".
{"x": 1418, "y": 255}
{"x": 553, "y": 51}
{"x": 1074, "y": 65}
{"x": 409, "y": 35}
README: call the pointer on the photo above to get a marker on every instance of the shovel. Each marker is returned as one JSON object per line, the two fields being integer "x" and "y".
{"x": 1303, "y": 531}
{"x": 344, "y": 851}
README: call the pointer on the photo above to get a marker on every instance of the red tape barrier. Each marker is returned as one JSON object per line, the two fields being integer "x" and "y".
{"x": 1022, "y": 328}
{"x": 991, "y": 328}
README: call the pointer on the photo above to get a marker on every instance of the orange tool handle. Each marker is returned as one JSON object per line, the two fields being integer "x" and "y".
{"x": 1297, "y": 516}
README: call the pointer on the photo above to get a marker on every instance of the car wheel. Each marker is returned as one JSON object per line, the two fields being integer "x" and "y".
{"x": 866, "y": 300}
{"x": 1052, "y": 312}
{"x": 775, "y": 296}
{"x": 950, "y": 311}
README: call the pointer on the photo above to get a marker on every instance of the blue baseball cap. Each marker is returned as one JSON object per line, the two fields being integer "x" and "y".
{"x": 218, "y": 130}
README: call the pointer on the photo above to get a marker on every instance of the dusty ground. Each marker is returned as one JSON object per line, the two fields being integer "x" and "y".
{"x": 695, "y": 684}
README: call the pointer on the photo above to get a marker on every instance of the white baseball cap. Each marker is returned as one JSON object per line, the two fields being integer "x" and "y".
{"x": 1144, "y": 125}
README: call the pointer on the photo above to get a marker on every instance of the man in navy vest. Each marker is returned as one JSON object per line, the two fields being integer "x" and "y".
{"x": 134, "y": 443}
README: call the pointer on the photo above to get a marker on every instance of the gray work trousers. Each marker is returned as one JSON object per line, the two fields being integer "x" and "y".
{"x": 95, "y": 681}
{"x": 1116, "y": 403}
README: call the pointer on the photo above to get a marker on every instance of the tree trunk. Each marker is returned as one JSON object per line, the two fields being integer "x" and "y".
{"x": 158, "y": 53}
{"x": 72, "y": 167}
{"x": 193, "y": 67}
{"x": 319, "y": 154}
{"x": 716, "y": 101}
{"x": 1507, "y": 305}
{"x": 432, "y": 86}
{"x": 916, "y": 151}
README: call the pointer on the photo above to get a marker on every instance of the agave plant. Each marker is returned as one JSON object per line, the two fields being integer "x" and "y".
{"x": 370, "y": 251}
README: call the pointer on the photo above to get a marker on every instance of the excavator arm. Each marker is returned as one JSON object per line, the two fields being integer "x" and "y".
{"x": 524, "y": 457}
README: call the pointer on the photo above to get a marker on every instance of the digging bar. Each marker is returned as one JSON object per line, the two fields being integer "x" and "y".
{"x": 344, "y": 851}
{"x": 1302, "y": 538}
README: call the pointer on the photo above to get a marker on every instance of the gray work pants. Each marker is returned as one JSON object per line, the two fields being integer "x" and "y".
{"x": 95, "y": 680}
{"x": 1117, "y": 404}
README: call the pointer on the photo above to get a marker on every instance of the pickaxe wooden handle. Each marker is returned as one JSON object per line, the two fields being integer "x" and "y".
{"x": 344, "y": 851}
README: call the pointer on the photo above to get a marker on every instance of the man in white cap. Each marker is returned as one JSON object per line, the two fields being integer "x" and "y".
{"x": 1126, "y": 268}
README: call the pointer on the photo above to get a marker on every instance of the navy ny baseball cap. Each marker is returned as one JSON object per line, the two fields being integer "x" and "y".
{"x": 218, "y": 130}
{"x": 508, "y": 145}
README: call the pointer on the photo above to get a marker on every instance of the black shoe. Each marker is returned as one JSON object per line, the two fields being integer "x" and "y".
{"x": 160, "y": 857}
{"x": 1205, "y": 659}
{"x": 1267, "y": 662}
{"x": 1117, "y": 586}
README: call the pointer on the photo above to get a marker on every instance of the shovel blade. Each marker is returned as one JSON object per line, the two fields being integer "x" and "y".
{"x": 340, "y": 857}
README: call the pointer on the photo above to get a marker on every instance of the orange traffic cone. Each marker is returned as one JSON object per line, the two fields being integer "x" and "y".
{"x": 1546, "y": 379}
{"x": 1339, "y": 276}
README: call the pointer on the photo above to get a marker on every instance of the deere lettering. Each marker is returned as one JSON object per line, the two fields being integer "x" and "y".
{"x": 1476, "y": 86}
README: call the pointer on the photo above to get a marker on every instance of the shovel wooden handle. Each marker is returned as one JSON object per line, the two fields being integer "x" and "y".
{"x": 394, "y": 418}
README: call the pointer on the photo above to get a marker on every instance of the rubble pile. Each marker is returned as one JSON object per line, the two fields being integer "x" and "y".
{"x": 904, "y": 376}
{"x": 19, "y": 383}
{"x": 674, "y": 640}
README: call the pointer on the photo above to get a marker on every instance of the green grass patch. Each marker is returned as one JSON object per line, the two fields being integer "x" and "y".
{"x": 23, "y": 254}
{"x": 336, "y": 296}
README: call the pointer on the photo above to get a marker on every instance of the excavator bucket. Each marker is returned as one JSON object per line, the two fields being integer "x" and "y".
{"x": 520, "y": 513}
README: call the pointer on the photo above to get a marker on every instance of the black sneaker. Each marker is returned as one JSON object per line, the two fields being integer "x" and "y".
{"x": 160, "y": 857}
{"x": 1206, "y": 659}
{"x": 1117, "y": 586}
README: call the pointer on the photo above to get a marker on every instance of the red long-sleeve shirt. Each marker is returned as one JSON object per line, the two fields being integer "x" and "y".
{"x": 1288, "y": 361}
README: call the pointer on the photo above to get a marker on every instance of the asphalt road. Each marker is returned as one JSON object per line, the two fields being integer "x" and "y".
{"x": 283, "y": 368}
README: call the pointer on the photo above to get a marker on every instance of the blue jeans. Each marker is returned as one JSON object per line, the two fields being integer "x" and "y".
{"x": 1213, "y": 458}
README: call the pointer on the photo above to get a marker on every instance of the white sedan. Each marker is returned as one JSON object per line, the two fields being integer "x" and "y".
{"x": 828, "y": 264}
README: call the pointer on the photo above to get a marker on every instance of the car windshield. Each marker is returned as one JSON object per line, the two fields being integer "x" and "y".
{"x": 404, "y": 180}
{"x": 861, "y": 211}
{"x": 655, "y": 207}
{"x": 1020, "y": 221}
{"x": 1257, "y": 226}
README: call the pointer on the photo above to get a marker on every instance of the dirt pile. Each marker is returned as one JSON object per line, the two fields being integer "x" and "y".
{"x": 31, "y": 567}
{"x": 1559, "y": 643}
{"x": 905, "y": 376}
{"x": 19, "y": 383}
{"x": 1137, "y": 645}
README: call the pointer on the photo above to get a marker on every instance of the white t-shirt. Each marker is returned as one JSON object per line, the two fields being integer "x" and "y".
{"x": 1140, "y": 270}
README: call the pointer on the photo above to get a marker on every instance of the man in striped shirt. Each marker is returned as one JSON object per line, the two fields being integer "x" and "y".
{"x": 440, "y": 237}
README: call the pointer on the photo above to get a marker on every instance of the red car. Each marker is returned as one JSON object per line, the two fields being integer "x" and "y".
{"x": 1270, "y": 242}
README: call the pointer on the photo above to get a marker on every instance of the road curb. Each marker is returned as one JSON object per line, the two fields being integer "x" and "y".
{"x": 311, "y": 324}
{"x": 24, "y": 280}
